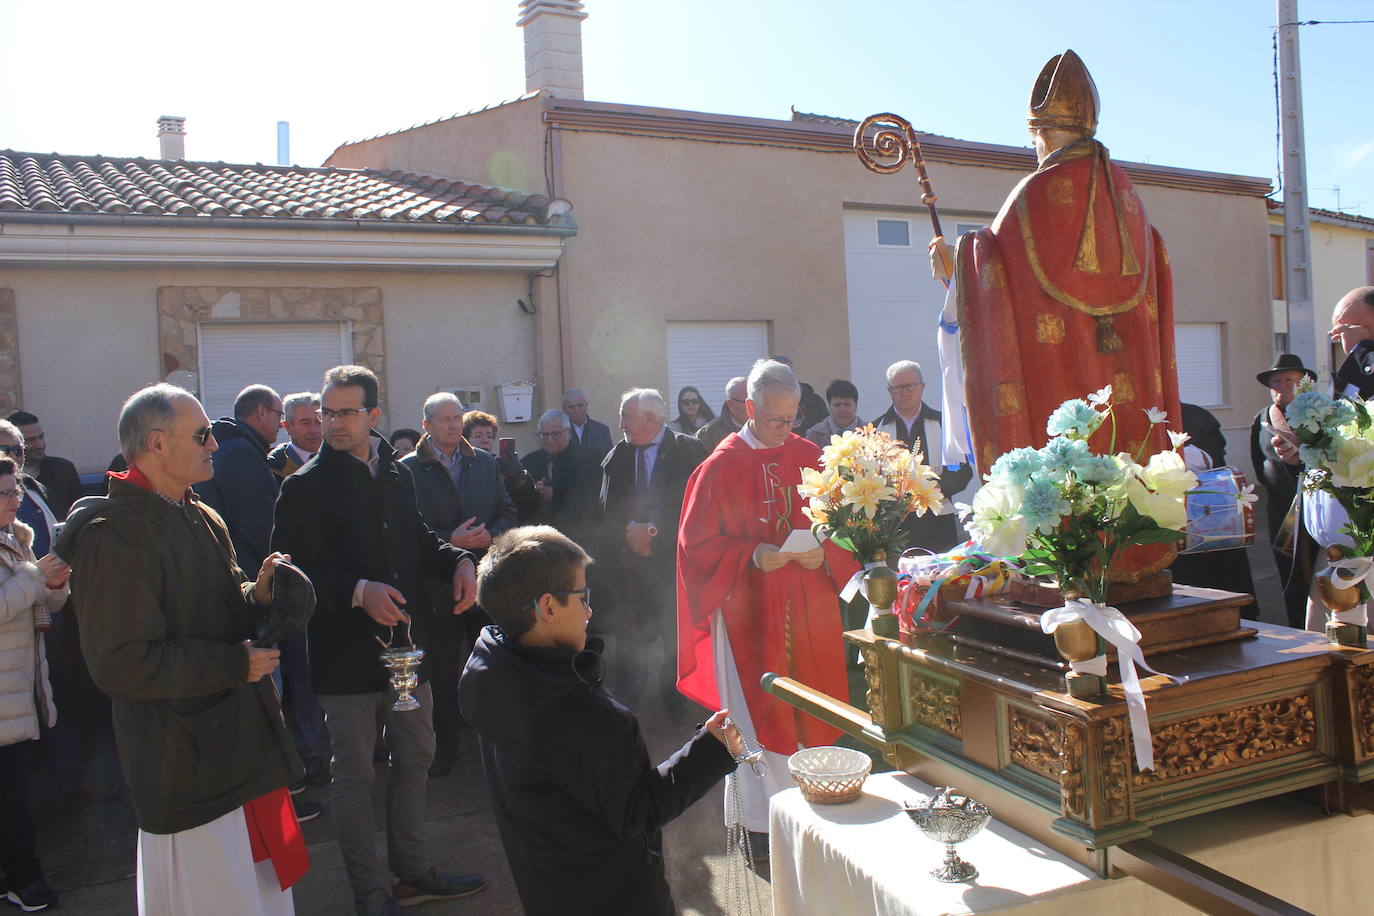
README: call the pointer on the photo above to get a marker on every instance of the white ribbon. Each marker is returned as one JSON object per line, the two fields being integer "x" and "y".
{"x": 1112, "y": 625}
{"x": 1360, "y": 570}
{"x": 851, "y": 588}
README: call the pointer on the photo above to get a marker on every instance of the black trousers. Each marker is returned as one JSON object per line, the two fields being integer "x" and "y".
{"x": 451, "y": 639}
{"x": 18, "y": 857}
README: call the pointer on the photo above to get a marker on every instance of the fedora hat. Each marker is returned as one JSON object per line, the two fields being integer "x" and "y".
{"x": 1285, "y": 362}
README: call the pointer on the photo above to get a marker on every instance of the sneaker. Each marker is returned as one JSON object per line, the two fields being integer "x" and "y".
{"x": 306, "y": 810}
{"x": 33, "y": 897}
{"x": 436, "y": 885}
{"x": 377, "y": 902}
{"x": 297, "y": 787}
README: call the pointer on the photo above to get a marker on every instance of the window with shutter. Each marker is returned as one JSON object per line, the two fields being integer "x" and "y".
{"x": 1198, "y": 352}
{"x": 707, "y": 354}
{"x": 289, "y": 356}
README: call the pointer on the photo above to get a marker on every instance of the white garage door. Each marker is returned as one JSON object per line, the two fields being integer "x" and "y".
{"x": 1198, "y": 354}
{"x": 289, "y": 356}
{"x": 707, "y": 354}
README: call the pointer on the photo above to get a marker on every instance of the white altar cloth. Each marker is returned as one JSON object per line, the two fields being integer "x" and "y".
{"x": 867, "y": 857}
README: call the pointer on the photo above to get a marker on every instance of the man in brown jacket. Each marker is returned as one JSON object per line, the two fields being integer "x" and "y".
{"x": 166, "y": 617}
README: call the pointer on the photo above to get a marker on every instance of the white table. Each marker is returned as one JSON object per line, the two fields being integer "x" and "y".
{"x": 867, "y": 857}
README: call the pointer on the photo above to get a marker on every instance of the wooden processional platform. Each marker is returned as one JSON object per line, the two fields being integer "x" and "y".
{"x": 1264, "y": 710}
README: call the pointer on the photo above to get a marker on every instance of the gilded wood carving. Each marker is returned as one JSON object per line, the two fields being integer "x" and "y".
{"x": 1232, "y": 737}
{"x": 1363, "y": 695}
{"x": 873, "y": 677}
{"x": 1035, "y": 743}
{"x": 935, "y": 704}
{"x": 1072, "y": 793}
{"x": 1114, "y": 758}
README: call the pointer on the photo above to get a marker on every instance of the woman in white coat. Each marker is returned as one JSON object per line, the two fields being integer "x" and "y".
{"x": 30, "y": 590}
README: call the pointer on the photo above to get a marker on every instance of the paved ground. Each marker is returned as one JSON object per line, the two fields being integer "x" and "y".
{"x": 87, "y": 848}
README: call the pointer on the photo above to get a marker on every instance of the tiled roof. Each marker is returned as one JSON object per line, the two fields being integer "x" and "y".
{"x": 51, "y": 183}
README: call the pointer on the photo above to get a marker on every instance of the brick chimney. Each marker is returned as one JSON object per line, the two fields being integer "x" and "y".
{"x": 553, "y": 46}
{"x": 171, "y": 137}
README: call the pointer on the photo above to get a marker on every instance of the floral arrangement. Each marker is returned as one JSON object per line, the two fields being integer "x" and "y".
{"x": 868, "y": 483}
{"x": 1068, "y": 512}
{"x": 1336, "y": 443}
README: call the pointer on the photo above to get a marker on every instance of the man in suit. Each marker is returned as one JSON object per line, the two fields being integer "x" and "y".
{"x": 732, "y": 417}
{"x": 349, "y": 519}
{"x": 592, "y": 436}
{"x": 301, "y": 420}
{"x": 643, "y": 479}
{"x": 1352, "y": 323}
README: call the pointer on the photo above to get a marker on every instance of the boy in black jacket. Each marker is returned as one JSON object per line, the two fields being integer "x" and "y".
{"x": 578, "y": 803}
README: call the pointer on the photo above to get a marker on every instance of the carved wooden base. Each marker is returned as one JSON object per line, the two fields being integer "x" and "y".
{"x": 1035, "y": 593}
{"x": 1256, "y": 718}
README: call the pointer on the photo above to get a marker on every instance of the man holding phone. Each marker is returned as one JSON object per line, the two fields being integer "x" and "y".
{"x": 462, "y": 497}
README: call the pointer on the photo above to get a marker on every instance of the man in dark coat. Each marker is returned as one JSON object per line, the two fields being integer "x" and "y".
{"x": 301, "y": 420}
{"x": 1352, "y": 323}
{"x": 732, "y": 417}
{"x": 166, "y": 613}
{"x": 59, "y": 478}
{"x": 579, "y": 805}
{"x": 244, "y": 490}
{"x": 463, "y": 498}
{"x": 643, "y": 479}
{"x": 566, "y": 475}
{"x": 593, "y": 436}
{"x": 349, "y": 519}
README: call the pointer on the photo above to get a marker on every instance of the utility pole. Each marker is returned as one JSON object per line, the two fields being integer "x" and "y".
{"x": 1297, "y": 252}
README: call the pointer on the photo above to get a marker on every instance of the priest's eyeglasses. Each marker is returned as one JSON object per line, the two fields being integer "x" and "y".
{"x": 777, "y": 422}
{"x": 905, "y": 389}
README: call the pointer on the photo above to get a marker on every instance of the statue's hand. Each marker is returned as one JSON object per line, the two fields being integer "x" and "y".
{"x": 941, "y": 259}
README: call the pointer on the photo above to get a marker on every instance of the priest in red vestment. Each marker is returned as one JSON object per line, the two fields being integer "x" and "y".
{"x": 744, "y": 608}
{"x": 1067, "y": 291}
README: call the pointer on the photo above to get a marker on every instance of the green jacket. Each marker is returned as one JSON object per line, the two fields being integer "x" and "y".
{"x": 164, "y": 610}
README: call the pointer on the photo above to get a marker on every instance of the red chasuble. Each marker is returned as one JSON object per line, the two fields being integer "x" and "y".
{"x": 1068, "y": 291}
{"x": 786, "y": 621}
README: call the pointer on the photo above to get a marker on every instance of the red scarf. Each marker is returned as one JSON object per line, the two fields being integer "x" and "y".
{"x": 273, "y": 831}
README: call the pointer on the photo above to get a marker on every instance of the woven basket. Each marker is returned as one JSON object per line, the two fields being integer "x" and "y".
{"x": 830, "y": 775}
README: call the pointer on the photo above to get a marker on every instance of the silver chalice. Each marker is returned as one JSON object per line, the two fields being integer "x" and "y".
{"x": 403, "y": 662}
{"x": 950, "y": 818}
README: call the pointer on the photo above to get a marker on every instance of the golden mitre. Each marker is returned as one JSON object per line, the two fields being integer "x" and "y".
{"x": 1064, "y": 96}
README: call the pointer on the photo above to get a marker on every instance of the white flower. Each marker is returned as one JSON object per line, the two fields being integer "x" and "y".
{"x": 1246, "y": 497}
{"x": 995, "y": 521}
{"x": 1166, "y": 474}
{"x": 1178, "y": 439}
{"x": 1100, "y": 397}
{"x": 1167, "y": 511}
{"x": 1156, "y": 416}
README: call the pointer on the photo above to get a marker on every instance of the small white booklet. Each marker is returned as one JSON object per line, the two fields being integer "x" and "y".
{"x": 799, "y": 541}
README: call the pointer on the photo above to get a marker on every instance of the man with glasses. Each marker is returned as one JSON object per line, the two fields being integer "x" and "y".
{"x": 744, "y": 607}
{"x": 59, "y": 478}
{"x": 244, "y": 490}
{"x": 643, "y": 479}
{"x": 591, "y": 435}
{"x": 301, "y": 421}
{"x": 350, "y": 520}
{"x": 166, "y": 618}
{"x": 567, "y": 476}
{"x": 732, "y": 417}
{"x": 916, "y": 425}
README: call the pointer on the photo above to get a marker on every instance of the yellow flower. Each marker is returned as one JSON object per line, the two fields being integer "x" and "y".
{"x": 841, "y": 447}
{"x": 817, "y": 512}
{"x": 865, "y": 492}
{"x": 815, "y": 483}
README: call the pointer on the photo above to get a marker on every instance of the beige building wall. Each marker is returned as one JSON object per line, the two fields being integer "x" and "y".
{"x": 89, "y": 338}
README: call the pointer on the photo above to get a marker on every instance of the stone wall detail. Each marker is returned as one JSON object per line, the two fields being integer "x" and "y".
{"x": 11, "y": 392}
{"x": 180, "y": 309}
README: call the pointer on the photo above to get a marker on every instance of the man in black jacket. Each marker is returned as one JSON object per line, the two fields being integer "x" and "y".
{"x": 463, "y": 498}
{"x": 349, "y": 519}
{"x": 643, "y": 478}
{"x": 593, "y": 436}
{"x": 1352, "y": 324}
{"x": 579, "y": 805}
{"x": 244, "y": 490}
{"x": 566, "y": 475}
{"x": 57, "y": 475}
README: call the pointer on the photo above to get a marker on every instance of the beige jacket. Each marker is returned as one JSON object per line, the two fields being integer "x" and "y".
{"x": 25, "y": 694}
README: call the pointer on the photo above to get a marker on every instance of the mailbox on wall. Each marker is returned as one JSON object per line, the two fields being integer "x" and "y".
{"x": 517, "y": 401}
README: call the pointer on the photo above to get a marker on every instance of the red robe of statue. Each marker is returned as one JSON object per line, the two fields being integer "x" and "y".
{"x": 786, "y": 621}
{"x": 1068, "y": 291}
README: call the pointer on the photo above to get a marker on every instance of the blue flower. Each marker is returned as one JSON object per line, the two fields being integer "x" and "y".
{"x": 1043, "y": 506}
{"x": 1099, "y": 471}
{"x": 1062, "y": 455}
{"x": 1310, "y": 410}
{"x": 1074, "y": 418}
{"x": 1016, "y": 466}
{"x": 1342, "y": 413}
{"x": 1312, "y": 456}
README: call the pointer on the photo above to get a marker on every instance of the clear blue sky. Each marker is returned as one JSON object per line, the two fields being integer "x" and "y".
{"x": 1182, "y": 83}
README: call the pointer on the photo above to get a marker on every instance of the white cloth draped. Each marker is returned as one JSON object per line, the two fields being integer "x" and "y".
{"x": 209, "y": 871}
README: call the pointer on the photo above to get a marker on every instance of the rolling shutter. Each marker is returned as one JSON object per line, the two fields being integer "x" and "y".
{"x": 1198, "y": 351}
{"x": 707, "y": 354}
{"x": 289, "y": 356}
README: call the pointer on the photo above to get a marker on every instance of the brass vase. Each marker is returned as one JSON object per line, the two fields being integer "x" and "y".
{"x": 404, "y": 664}
{"x": 880, "y": 588}
{"x": 1337, "y": 598}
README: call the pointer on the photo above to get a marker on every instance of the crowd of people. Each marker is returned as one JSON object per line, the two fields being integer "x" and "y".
{"x": 155, "y": 598}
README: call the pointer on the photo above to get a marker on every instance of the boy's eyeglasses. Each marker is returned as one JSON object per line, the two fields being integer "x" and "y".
{"x": 584, "y": 593}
